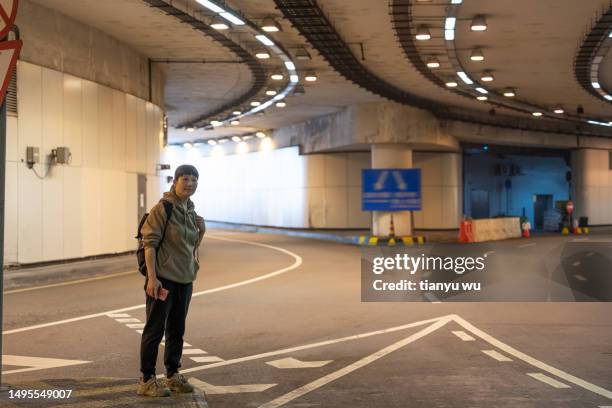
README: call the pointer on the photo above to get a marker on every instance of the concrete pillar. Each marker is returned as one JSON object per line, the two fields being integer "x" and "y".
{"x": 391, "y": 155}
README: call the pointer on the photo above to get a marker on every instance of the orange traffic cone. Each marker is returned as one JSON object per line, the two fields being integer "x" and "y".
{"x": 465, "y": 232}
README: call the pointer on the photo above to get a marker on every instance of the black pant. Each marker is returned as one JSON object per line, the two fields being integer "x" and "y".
{"x": 165, "y": 315}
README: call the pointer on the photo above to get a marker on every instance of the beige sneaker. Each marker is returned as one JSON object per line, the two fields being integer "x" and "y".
{"x": 178, "y": 383}
{"x": 153, "y": 388}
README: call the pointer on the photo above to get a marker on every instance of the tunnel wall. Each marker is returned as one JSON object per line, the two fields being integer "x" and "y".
{"x": 592, "y": 185}
{"x": 88, "y": 207}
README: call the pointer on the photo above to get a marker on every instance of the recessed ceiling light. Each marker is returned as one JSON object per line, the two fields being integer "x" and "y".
{"x": 212, "y": 142}
{"x": 277, "y": 76}
{"x": 559, "y": 110}
{"x": 216, "y": 123}
{"x": 536, "y": 114}
{"x": 596, "y": 85}
{"x": 235, "y": 122}
{"x": 281, "y": 104}
{"x": 479, "y": 23}
{"x": 255, "y": 103}
{"x": 477, "y": 55}
{"x": 487, "y": 76}
{"x": 236, "y": 139}
{"x": 451, "y": 84}
{"x": 191, "y": 129}
{"x": 433, "y": 62}
{"x": 271, "y": 92}
{"x": 456, "y": 1}
{"x": 237, "y": 112}
{"x": 481, "y": 98}
{"x": 218, "y": 24}
{"x": 509, "y": 92}
{"x": 260, "y": 135}
{"x": 423, "y": 33}
{"x": 608, "y": 97}
{"x": 270, "y": 25}
{"x": 187, "y": 145}
{"x": 262, "y": 54}
{"x": 310, "y": 76}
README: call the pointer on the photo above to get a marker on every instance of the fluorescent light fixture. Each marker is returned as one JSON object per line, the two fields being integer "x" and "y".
{"x": 235, "y": 122}
{"x": 449, "y": 35}
{"x": 212, "y": 142}
{"x": 271, "y": 92}
{"x": 277, "y": 76}
{"x": 559, "y": 110}
{"x": 596, "y": 85}
{"x": 509, "y": 92}
{"x": 270, "y": 25}
{"x": 231, "y": 18}
{"x": 423, "y": 33}
{"x": 479, "y": 23}
{"x": 236, "y": 139}
{"x": 294, "y": 78}
{"x": 260, "y": 135}
{"x": 211, "y": 6}
{"x": 594, "y": 122}
{"x": 215, "y": 123}
{"x": 218, "y": 24}
{"x": 610, "y": 35}
{"x": 451, "y": 84}
{"x": 433, "y": 62}
{"x": 482, "y": 90}
{"x": 281, "y": 104}
{"x": 290, "y": 65}
{"x": 536, "y": 114}
{"x": 464, "y": 77}
{"x": 481, "y": 98}
{"x": 456, "y": 1}
{"x": 310, "y": 76}
{"x": 191, "y": 129}
{"x": 477, "y": 55}
{"x": 255, "y": 103}
{"x": 608, "y": 97}
{"x": 262, "y": 54}
{"x": 187, "y": 145}
{"x": 236, "y": 112}
{"x": 264, "y": 40}
{"x": 279, "y": 96}
{"x": 487, "y": 76}
{"x": 449, "y": 23}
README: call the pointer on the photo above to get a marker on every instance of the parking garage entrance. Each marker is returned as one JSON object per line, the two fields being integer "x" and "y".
{"x": 516, "y": 181}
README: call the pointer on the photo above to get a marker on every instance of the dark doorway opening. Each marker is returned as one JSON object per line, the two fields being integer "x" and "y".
{"x": 541, "y": 204}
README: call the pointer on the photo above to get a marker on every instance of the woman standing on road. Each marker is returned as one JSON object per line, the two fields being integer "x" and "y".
{"x": 171, "y": 246}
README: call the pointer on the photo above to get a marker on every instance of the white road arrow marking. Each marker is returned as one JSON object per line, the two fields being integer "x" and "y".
{"x": 380, "y": 183}
{"x": 36, "y": 363}
{"x": 401, "y": 184}
{"x": 228, "y": 389}
{"x": 291, "y": 362}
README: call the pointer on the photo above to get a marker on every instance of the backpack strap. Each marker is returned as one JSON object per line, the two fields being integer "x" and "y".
{"x": 168, "y": 207}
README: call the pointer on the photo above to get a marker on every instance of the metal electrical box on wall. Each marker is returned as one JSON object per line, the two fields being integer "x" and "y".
{"x": 32, "y": 156}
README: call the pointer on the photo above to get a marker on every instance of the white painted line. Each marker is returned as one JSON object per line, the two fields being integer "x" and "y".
{"x": 530, "y": 360}
{"x": 579, "y": 239}
{"x": 580, "y": 277}
{"x": 114, "y": 315}
{"x": 36, "y": 363}
{"x": 527, "y": 245}
{"x": 496, "y": 355}
{"x": 128, "y": 320}
{"x": 605, "y": 406}
{"x": 431, "y": 297}
{"x": 54, "y": 285}
{"x": 489, "y": 253}
{"x": 547, "y": 380}
{"x": 185, "y": 344}
{"x": 297, "y": 262}
{"x": 291, "y": 362}
{"x": 190, "y": 352}
{"x": 298, "y": 392}
{"x": 577, "y": 263}
{"x": 463, "y": 335}
{"x": 135, "y": 325}
{"x": 206, "y": 359}
{"x": 313, "y": 345}
{"x": 228, "y": 389}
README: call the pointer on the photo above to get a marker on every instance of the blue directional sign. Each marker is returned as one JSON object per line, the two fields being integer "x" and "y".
{"x": 391, "y": 190}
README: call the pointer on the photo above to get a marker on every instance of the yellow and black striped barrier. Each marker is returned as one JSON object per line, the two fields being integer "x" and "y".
{"x": 369, "y": 240}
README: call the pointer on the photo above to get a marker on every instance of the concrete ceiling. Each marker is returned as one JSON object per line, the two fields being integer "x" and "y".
{"x": 530, "y": 45}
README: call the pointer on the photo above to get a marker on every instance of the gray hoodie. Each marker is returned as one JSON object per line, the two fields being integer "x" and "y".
{"x": 177, "y": 255}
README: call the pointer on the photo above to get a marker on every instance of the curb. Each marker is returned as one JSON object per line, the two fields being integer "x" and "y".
{"x": 367, "y": 240}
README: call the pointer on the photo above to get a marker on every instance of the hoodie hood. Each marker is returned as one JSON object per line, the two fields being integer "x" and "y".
{"x": 171, "y": 197}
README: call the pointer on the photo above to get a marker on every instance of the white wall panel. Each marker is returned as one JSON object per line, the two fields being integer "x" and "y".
{"x": 52, "y": 113}
{"x": 12, "y": 138}
{"x": 11, "y": 214}
{"x": 141, "y": 140}
{"x": 131, "y": 129}
{"x": 131, "y": 211}
{"x": 105, "y": 129}
{"x": 73, "y": 206}
{"x": 29, "y": 106}
{"x": 118, "y": 135}
{"x": 73, "y": 119}
{"x": 335, "y": 170}
{"x": 336, "y": 205}
{"x": 108, "y": 205}
{"x": 30, "y": 216}
{"x": 152, "y": 138}
{"x": 592, "y": 185}
{"x": 53, "y": 214}
{"x": 91, "y": 216}
{"x": 90, "y": 125}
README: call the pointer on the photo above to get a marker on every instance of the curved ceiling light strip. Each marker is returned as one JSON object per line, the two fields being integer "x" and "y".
{"x": 257, "y": 69}
{"x": 402, "y": 20}
{"x": 308, "y": 18}
{"x": 596, "y": 44}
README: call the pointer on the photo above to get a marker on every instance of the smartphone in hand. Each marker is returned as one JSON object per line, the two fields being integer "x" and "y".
{"x": 162, "y": 294}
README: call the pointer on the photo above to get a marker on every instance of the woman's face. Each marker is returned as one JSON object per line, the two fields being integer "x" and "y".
{"x": 186, "y": 185}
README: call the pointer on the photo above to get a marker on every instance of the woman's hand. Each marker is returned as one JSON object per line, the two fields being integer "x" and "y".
{"x": 200, "y": 223}
{"x": 153, "y": 286}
